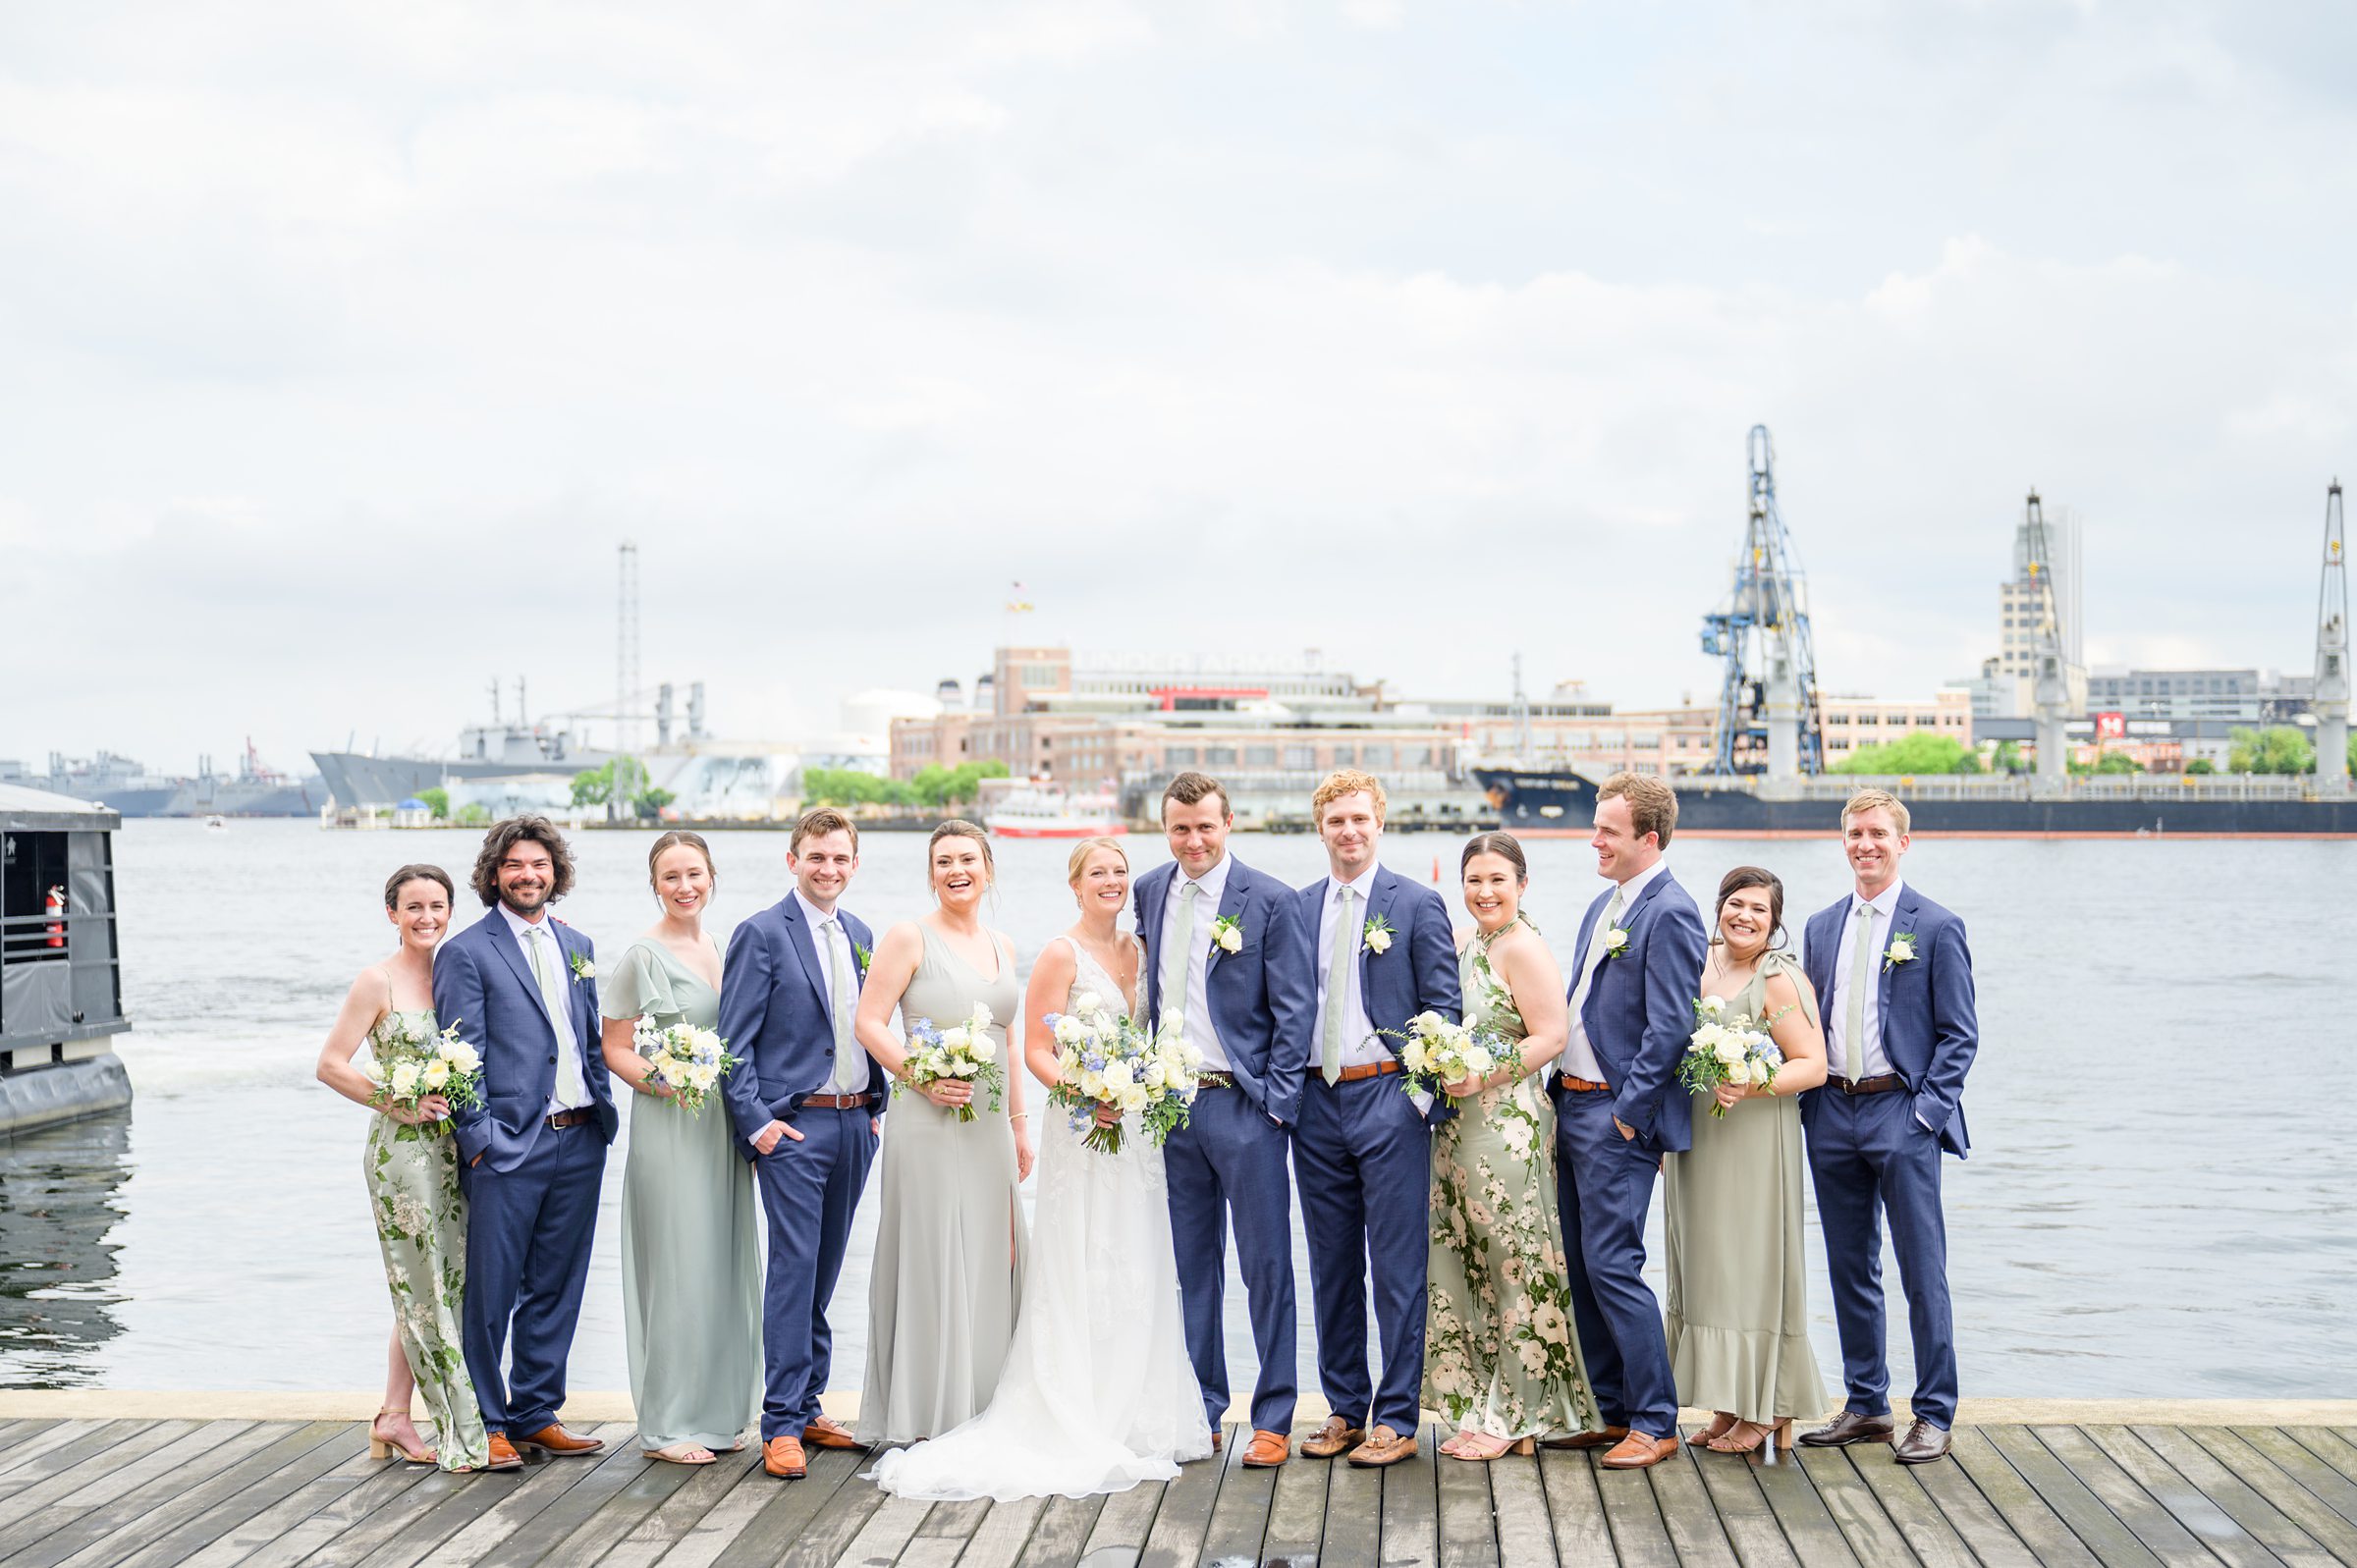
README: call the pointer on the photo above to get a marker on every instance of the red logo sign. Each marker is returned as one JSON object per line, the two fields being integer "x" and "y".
{"x": 2110, "y": 726}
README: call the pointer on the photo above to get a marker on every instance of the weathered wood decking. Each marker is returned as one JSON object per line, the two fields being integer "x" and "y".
{"x": 270, "y": 1494}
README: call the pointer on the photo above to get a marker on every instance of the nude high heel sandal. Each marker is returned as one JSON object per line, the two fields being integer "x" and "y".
{"x": 387, "y": 1447}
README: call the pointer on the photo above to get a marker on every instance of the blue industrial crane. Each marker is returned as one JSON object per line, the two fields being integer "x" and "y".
{"x": 1769, "y": 717}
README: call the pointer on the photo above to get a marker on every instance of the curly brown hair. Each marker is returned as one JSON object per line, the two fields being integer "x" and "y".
{"x": 506, "y": 835}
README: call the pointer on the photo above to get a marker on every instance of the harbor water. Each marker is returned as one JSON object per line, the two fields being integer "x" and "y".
{"x": 2158, "y": 1204}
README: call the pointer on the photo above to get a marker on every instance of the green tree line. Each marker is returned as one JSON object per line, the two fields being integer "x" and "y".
{"x": 934, "y": 787}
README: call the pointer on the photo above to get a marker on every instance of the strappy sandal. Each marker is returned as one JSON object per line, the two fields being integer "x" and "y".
{"x": 1769, "y": 1434}
{"x": 678, "y": 1453}
{"x": 1721, "y": 1424}
{"x": 1480, "y": 1448}
{"x": 383, "y": 1447}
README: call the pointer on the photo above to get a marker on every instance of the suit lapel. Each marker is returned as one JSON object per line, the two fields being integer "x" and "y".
{"x": 1153, "y": 898}
{"x": 1379, "y": 900}
{"x": 1822, "y": 934}
{"x": 1902, "y": 918}
{"x": 803, "y": 945}
{"x": 1231, "y": 907}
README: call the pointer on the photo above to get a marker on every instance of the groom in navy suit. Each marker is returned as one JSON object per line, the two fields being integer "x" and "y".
{"x": 1619, "y": 1109}
{"x": 521, "y": 987}
{"x": 1901, "y": 1033}
{"x": 1362, "y": 1150}
{"x": 804, "y": 1099}
{"x": 1226, "y": 957}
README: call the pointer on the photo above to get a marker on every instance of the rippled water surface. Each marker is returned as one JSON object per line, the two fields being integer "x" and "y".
{"x": 2158, "y": 1202}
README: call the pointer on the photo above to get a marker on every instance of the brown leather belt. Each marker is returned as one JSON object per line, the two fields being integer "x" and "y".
{"x": 571, "y": 1118}
{"x": 1888, "y": 1083}
{"x": 1366, "y": 1069}
{"x": 833, "y": 1101}
{"x": 1583, "y": 1086}
{"x": 1214, "y": 1080}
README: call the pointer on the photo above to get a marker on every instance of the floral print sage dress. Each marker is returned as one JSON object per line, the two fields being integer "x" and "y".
{"x": 1501, "y": 1355}
{"x": 421, "y": 1229}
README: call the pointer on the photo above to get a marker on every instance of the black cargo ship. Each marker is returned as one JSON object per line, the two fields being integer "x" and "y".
{"x": 1558, "y": 801}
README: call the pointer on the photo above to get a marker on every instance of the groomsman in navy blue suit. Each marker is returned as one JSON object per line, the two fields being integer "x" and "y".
{"x": 1362, "y": 1150}
{"x": 804, "y": 1099}
{"x": 1225, "y": 956}
{"x": 1901, "y": 1033}
{"x": 520, "y": 986}
{"x": 1619, "y": 1109}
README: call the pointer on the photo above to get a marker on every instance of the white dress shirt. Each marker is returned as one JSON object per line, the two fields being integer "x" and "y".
{"x": 1360, "y": 1043}
{"x": 1579, "y": 1058}
{"x": 572, "y": 1088}
{"x": 1196, "y": 1027}
{"x": 832, "y": 943}
{"x": 1875, "y": 1062}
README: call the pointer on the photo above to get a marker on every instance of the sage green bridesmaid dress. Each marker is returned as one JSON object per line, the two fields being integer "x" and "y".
{"x": 421, "y": 1232}
{"x": 690, "y": 1270}
{"x": 1738, "y": 1319}
{"x": 942, "y": 1291}
{"x": 1502, "y": 1353}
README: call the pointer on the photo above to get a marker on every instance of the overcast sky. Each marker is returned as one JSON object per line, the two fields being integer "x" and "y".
{"x": 343, "y": 343}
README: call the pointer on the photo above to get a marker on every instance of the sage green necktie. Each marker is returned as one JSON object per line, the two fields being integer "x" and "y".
{"x": 843, "y": 995}
{"x": 1861, "y": 975}
{"x": 1338, "y": 986}
{"x": 547, "y": 971}
{"x": 1612, "y": 914}
{"x": 1177, "y": 969}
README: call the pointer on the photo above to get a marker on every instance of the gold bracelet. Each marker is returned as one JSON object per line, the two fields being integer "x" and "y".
{"x": 1020, "y": 1115}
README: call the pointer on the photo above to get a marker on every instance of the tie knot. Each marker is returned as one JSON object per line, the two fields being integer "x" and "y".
{"x": 1192, "y": 890}
{"x": 1865, "y": 911}
{"x": 1345, "y": 894}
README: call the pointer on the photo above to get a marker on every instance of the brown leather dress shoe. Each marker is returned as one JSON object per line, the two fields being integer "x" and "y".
{"x": 1845, "y": 1428}
{"x": 558, "y": 1443}
{"x": 1923, "y": 1444}
{"x": 781, "y": 1455}
{"x": 1215, "y": 1440}
{"x": 1587, "y": 1440}
{"x": 1267, "y": 1450}
{"x": 1384, "y": 1446}
{"x": 1335, "y": 1436}
{"x": 820, "y": 1432}
{"x": 1636, "y": 1451}
{"x": 503, "y": 1453}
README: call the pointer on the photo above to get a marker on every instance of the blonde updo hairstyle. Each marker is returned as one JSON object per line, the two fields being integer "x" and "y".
{"x": 1089, "y": 846}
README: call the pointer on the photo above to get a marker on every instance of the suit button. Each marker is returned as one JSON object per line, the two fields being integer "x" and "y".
{"x": 552, "y": 1061}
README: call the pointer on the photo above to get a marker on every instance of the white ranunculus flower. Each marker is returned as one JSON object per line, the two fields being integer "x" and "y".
{"x": 1417, "y": 1055}
{"x": 1118, "y": 1076}
{"x": 1478, "y": 1060}
{"x": 1714, "y": 1006}
{"x": 706, "y": 1074}
{"x": 1092, "y": 1084}
{"x": 1070, "y": 1031}
{"x": 1231, "y": 939}
{"x": 1155, "y": 1075}
{"x": 461, "y": 1056}
{"x": 985, "y": 1045}
{"x": 437, "y": 1073}
{"x": 1087, "y": 1002}
{"x": 953, "y": 1038}
{"x": 1761, "y": 1072}
{"x": 1135, "y": 1097}
{"x": 1729, "y": 1051}
{"x": 1379, "y": 942}
{"x": 375, "y": 1072}
{"x": 982, "y": 1017}
{"x": 405, "y": 1079}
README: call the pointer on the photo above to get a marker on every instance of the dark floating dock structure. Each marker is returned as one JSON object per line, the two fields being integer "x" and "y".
{"x": 221, "y": 1492}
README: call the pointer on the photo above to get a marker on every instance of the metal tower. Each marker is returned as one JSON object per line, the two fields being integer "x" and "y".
{"x": 2331, "y": 703}
{"x": 1520, "y": 712}
{"x": 2050, "y": 695}
{"x": 626, "y": 653}
{"x": 1769, "y": 717}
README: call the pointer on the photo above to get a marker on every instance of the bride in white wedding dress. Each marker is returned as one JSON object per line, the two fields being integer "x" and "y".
{"x": 1097, "y": 1393}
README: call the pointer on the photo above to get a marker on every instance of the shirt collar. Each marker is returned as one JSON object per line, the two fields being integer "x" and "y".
{"x": 813, "y": 913}
{"x": 1886, "y": 902}
{"x": 522, "y": 927}
{"x": 1360, "y": 886}
{"x": 1636, "y": 884}
{"x": 1213, "y": 882}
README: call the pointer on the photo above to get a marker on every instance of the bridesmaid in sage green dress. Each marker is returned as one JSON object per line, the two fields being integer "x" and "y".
{"x": 411, "y": 1167}
{"x": 690, "y": 1274}
{"x": 1738, "y": 1319}
{"x": 949, "y": 1241}
{"x": 1502, "y": 1356}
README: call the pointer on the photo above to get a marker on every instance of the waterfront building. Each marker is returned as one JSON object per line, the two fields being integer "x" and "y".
{"x": 2250, "y": 695}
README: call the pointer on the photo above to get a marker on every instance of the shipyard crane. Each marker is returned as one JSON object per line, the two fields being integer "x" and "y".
{"x": 2050, "y": 692}
{"x": 2330, "y": 702}
{"x": 1769, "y": 717}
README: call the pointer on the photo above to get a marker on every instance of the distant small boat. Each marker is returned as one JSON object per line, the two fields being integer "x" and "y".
{"x": 216, "y": 825}
{"x": 1053, "y": 814}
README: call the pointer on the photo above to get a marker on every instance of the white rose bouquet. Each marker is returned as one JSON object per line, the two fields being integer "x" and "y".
{"x": 1106, "y": 1058}
{"x": 410, "y": 1064}
{"x": 1728, "y": 1049}
{"x": 1436, "y": 1053}
{"x": 963, "y": 1050}
{"x": 682, "y": 1058}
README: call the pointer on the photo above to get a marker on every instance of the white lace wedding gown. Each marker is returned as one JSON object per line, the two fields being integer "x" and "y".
{"x": 1097, "y": 1393}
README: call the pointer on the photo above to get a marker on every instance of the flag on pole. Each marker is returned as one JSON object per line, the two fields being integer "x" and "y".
{"x": 1018, "y": 602}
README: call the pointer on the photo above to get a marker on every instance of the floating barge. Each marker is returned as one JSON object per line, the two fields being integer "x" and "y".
{"x": 61, "y": 978}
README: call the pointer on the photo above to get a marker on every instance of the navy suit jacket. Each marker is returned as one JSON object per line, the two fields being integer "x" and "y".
{"x": 1640, "y": 1010}
{"x": 1930, "y": 1028}
{"x": 1418, "y": 974}
{"x": 773, "y": 1013}
{"x": 1262, "y": 1000}
{"x": 483, "y": 984}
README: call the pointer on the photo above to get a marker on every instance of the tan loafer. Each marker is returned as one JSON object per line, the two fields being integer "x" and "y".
{"x": 821, "y": 1432}
{"x": 1267, "y": 1450}
{"x": 782, "y": 1456}
{"x": 503, "y": 1453}
{"x": 1587, "y": 1440}
{"x": 1384, "y": 1446}
{"x": 1636, "y": 1451}
{"x": 1337, "y": 1437}
{"x": 554, "y": 1440}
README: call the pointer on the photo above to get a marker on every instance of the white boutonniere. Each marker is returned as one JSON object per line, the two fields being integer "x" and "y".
{"x": 1378, "y": 936}
{"x": 1615, "y": 940}
{"x": 1902, "y": 951}
{"x": 582, "y": 968}
{"x": 1227, "y": 934}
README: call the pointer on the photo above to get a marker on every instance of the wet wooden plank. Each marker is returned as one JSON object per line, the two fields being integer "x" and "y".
{"x": 1411, "y": 1513}
{"x": 1688, "y": 1512}
{"x": 1640, "y": 1535}
{"x": 1575, "y": 1507}
{"x": 244, "y": 1540}
{"x": 57, "y": 1435}
{"x": 2267, "y": 1521}
{"x": 1816, "y": 1537}
{"x": 787, "y": 1507}
{"x": 2062, "y": 1493}
{"x": 1183, "y": 1511}
{"x": 2038, "y": 1526}
{"x": 1060, "y": 1532}
{"x": 1123, "y": 1524}
{"x": 141, "y": 1484}
{"x": 1468, "y": 1536}
{"x": 2328, "y": 1485}
{"x": 174, "y": 1517}
{"x": 347, "y": 1443}
{"x": 941, "y": 1536}
{"x": 1298, "y": 1516}
{"x": 1239, "y": 1518}
{"x": 368, "y": 1489}
{"x": 998, "y": 1541}
{"x": 2183, "y": 1503}
{"x": 878, "y": 1541}
{"x": 672, "y": 1521}
{"x": 464, "y": 1523}
{"x": 50, "y": 1474}
{"x": 823, "y": 1539}
{"x": 2293, "y": 1500}
{"x": 2333, "y": 1447}
{"x": 1518, "y": 1503}
{"x": 1744, "y": 1517}
{"x": 1930, "y": 1537}
{"x": 104, "y": 1476}
{"x": 1874, "y": 1537}
{"x": 1353, "y": 1511}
